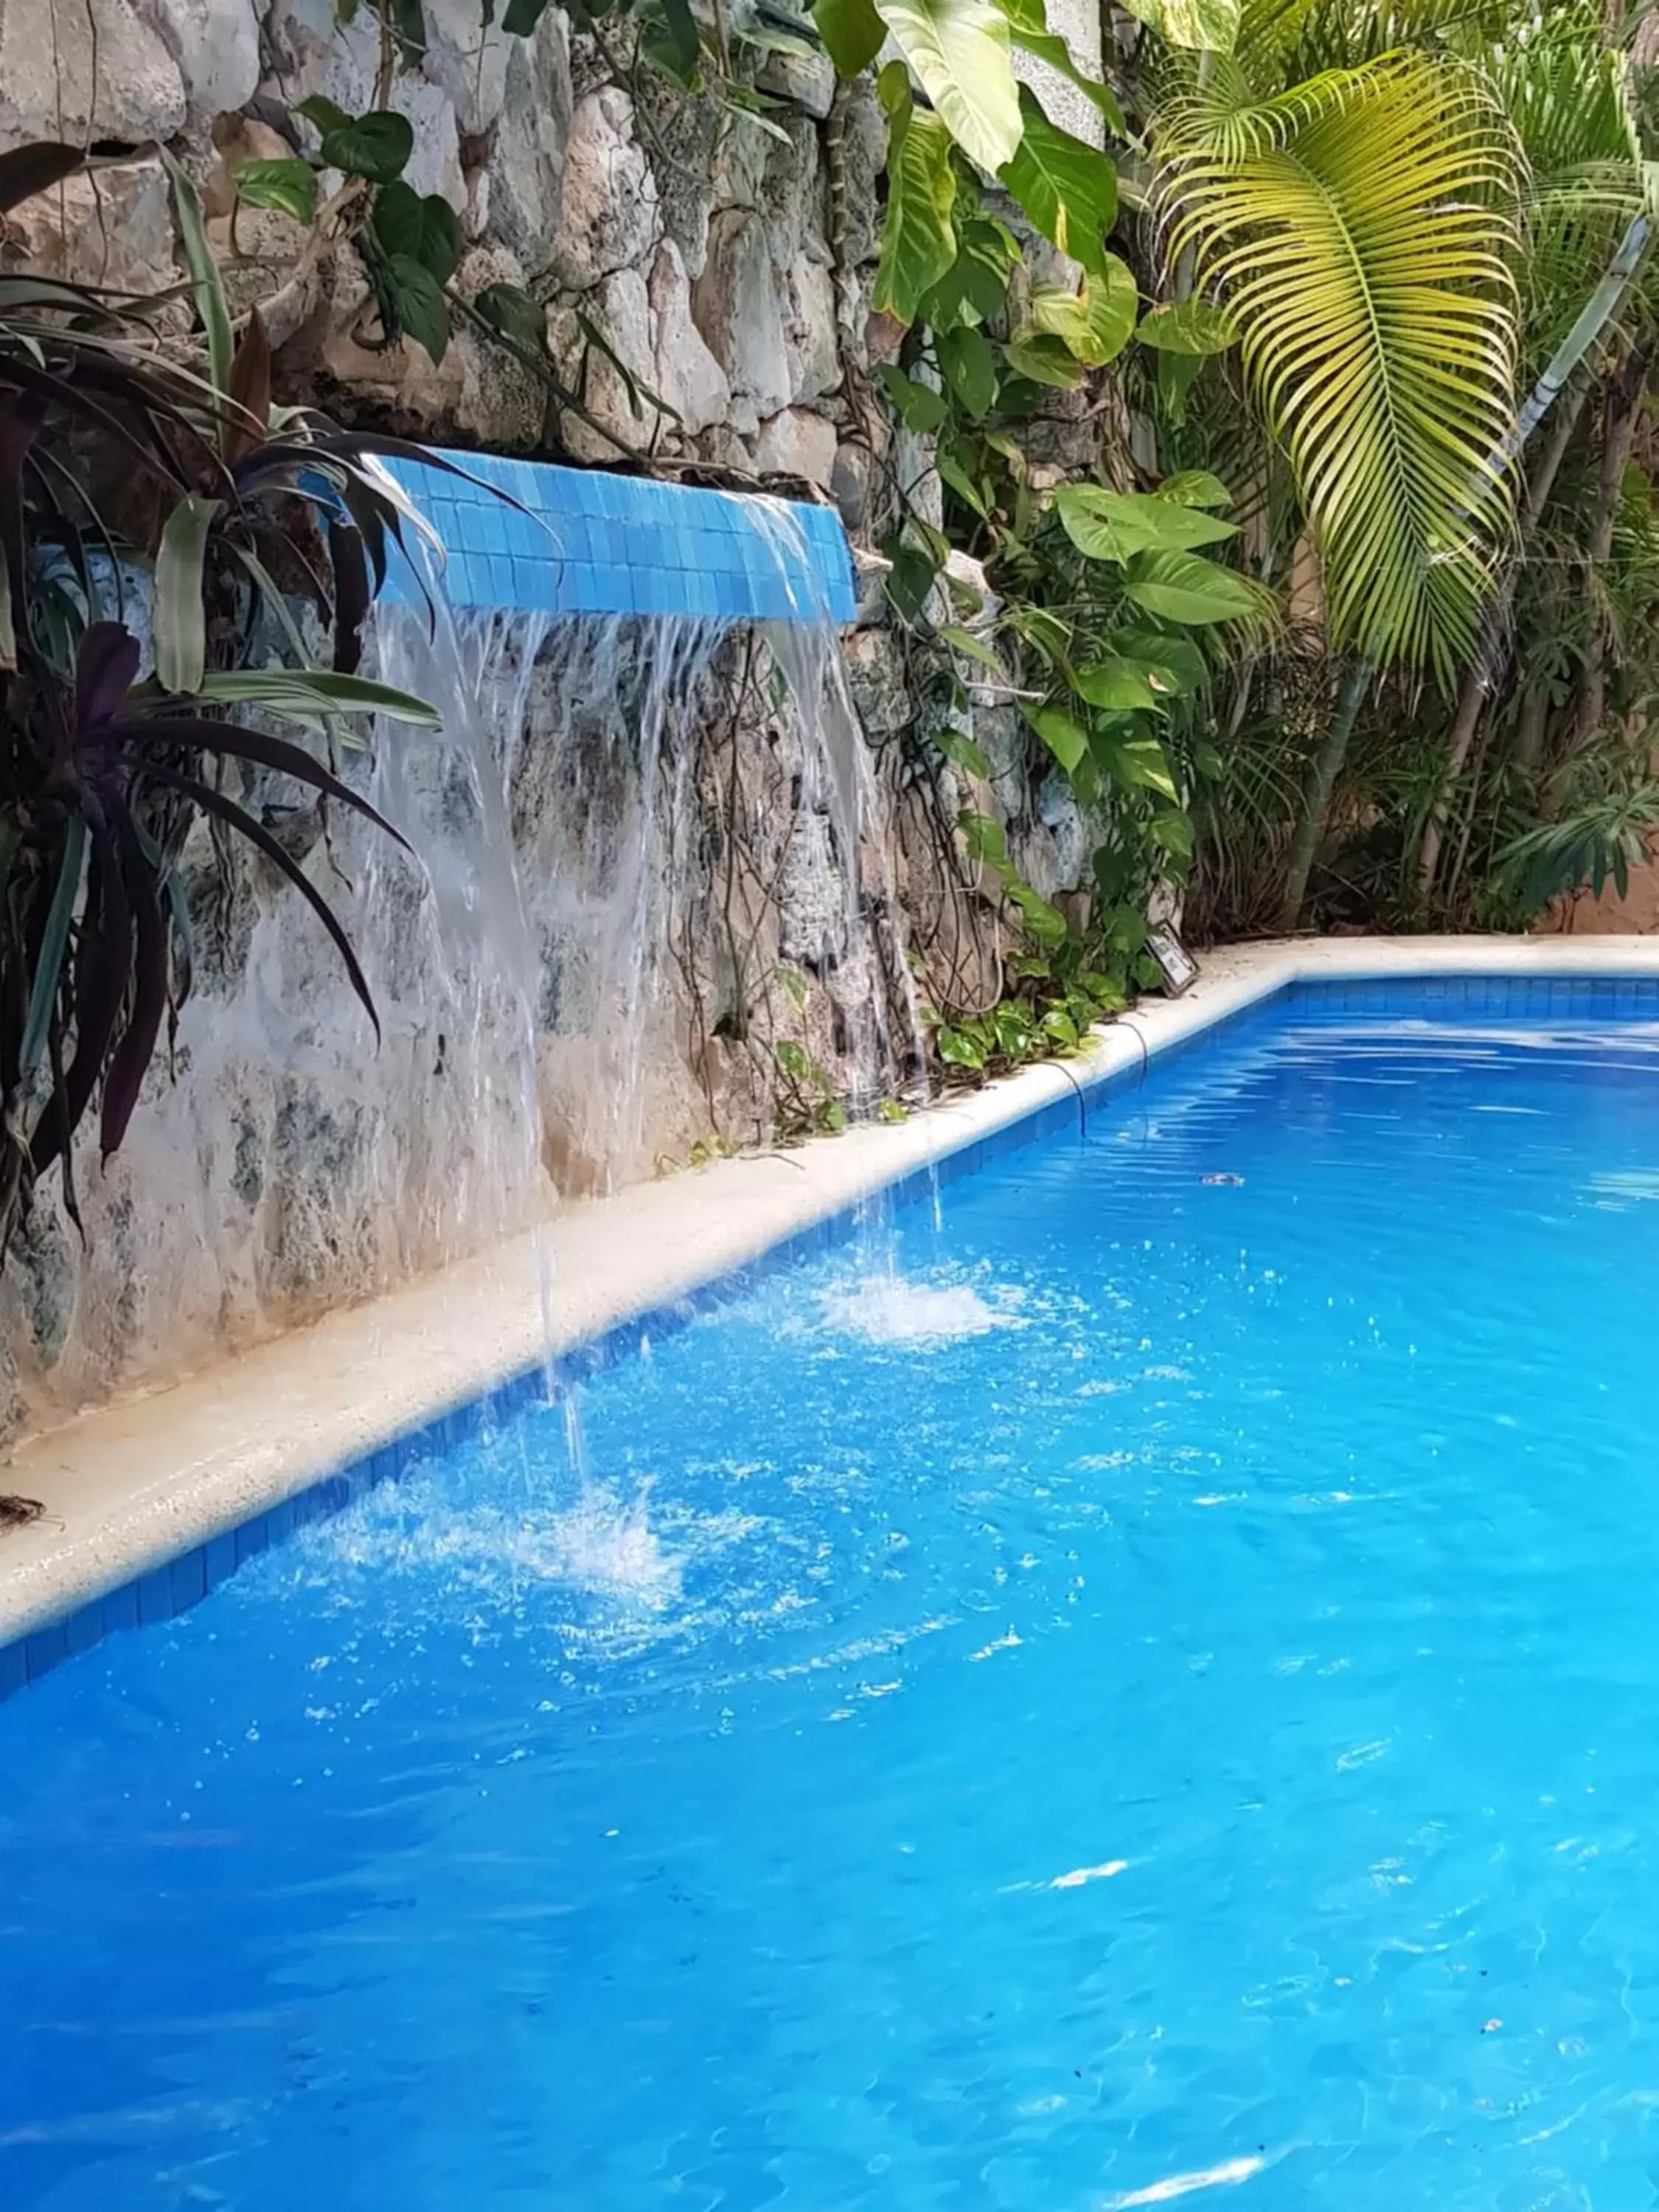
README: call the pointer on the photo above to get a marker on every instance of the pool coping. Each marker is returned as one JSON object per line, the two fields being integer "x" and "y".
{"x": 136, "y": 1490}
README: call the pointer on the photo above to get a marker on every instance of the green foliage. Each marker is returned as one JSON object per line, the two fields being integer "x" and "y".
{"x": 1362, "y": 227}
{"x": 117, "y": 457}
{"x": 959, "y": 52}
{"x": 290, "y": 185}
{"x": 1067, "y": 188}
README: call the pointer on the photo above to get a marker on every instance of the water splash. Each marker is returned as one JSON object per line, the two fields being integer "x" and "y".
{"x": 887, "y": 1310}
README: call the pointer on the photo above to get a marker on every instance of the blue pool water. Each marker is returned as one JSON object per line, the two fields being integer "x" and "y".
{"x": 1131, "y": 1689}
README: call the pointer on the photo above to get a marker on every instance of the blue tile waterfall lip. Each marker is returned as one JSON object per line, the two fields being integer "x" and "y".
{"x": 602, "y": 544}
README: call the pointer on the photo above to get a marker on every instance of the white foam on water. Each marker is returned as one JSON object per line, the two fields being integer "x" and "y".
{"x": 602, "y": 1545}
{"x": 887, "y": 1309}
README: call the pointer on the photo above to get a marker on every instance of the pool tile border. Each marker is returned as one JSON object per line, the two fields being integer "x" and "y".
{"x": 77, "y": 1593}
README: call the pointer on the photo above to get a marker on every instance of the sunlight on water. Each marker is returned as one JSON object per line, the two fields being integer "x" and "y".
{"x": 887, "y": 1309}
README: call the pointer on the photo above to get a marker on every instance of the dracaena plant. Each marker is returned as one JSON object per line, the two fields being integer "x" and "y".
{"x": 150, "y": 485}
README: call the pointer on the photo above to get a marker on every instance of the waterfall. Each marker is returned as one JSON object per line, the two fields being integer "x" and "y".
{"x": 651, "y": 891}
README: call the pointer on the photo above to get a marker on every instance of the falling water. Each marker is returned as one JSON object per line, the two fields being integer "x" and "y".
{"x": 647, "y": 853}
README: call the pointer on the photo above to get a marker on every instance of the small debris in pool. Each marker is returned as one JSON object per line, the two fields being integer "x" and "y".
{"x": 1231, "y": 1182}
{"x": 18, "y": 1512}
{"x": 1492, "y": 2027}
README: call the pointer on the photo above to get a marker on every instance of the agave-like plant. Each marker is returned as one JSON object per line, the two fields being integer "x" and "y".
{"x": 133, "y": 468}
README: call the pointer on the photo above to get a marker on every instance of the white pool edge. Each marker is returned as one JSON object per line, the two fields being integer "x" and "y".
{"x": 132, "y": 1486}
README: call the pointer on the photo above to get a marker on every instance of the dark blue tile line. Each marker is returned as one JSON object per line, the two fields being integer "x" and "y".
{"x": 183, "y": 1583}
{"x": 593, "y": 543}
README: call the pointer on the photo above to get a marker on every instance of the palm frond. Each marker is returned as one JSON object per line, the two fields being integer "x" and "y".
{"x": 1361, "y": 229}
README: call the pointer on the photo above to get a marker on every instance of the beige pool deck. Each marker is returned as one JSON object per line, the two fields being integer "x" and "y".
{"x": 135, "y": 1485}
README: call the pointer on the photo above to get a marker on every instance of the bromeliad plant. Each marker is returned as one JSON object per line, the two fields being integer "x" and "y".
{"x": 148, "y": 485}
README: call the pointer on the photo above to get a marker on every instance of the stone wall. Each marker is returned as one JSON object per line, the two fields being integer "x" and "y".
{"x": 726, "y": 267}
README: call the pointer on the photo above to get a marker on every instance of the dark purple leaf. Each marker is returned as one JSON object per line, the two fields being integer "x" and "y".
{"x": 20, "y": 425}
{"x": 238, "y": 743}
{"x": 352, "y": 594}
{"x": 29, "y": 170}
{"x": 136, "y": 1047}
{"x": 103, "y": 970}
{"x": 105, "y": 669}
{"x": 215, "y": 803}
{"x": 63, "y": 391}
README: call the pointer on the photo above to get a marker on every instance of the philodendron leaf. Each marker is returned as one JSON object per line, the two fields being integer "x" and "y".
{"x": 325, "y": 113}
{"x": 513, "y": 314}
{"x": 919, "y": 243}
{"x": 376, "y": 146}
{"x": 425, "y": 229}
{"x": 1065, "y": 738}
{"x": 974, "y": 286}
{"x": 422, "y": 310}
{"x": 959, "y": 51}
{"x": 1186, "y": 588}
{"x": 1188, "y": 326}
{"x": 1135, "y": 764}
{"x": 852, "y": 31}
{"x": 1171, "y": 663}
{"x": 1118, "y": 686}
{"x": 1095, "y": 323}
{"x": 1068, "y": 189}
{"x": 919, "y": 407}
{"x": 1195, "y": 488}
{"x": 1044, "y": 359}
{"x": 968, "y": 367}
{"x": 1210, "y": 26}
{"x": 289, "y": 184}
{"x": 1116, "y": 526}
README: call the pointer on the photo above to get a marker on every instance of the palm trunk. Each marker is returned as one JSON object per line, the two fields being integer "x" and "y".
{"x": 1487, "y": 667}
{"x": 1621, "y": 415}
{"x": 1598, "y": 312}
{"x": 1311, "y": 830}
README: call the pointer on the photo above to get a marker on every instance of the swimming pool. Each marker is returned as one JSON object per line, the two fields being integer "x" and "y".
{"x": 1132, "y": 1679}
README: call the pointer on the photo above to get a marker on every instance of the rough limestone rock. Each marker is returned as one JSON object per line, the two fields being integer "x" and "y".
{"x": 610, "y": 218}
{"x": 621, "y": 310}
{"x": 740, "y": 307}
{"x": 84, "y": 70}
{"x": 797, "y": 443}
{"x": 215, "y": 45}
{"x": 300, "y": 39}
{"x": 115, "y": 228}
{"x": 852, "y": 485}
{"x": 687, "y": 375}
{"x": 502, "y": 402}
{"x": 525, "y": 167}
{"x": 876, "y": 677}
{"x": 806, "y": 80}
{"x": 792, "y": 195}
{"x": 682, "y": 136}
{"x": 466, "y": 62}
{"x": 864, "y": 155}
{"x": 810, "y": 333}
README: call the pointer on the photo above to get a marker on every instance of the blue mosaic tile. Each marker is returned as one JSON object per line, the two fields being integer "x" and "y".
{"x": 593, "y": 543}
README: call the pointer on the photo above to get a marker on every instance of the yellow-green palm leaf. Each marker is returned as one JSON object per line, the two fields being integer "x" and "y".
{"x": 1360, "y": 228}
